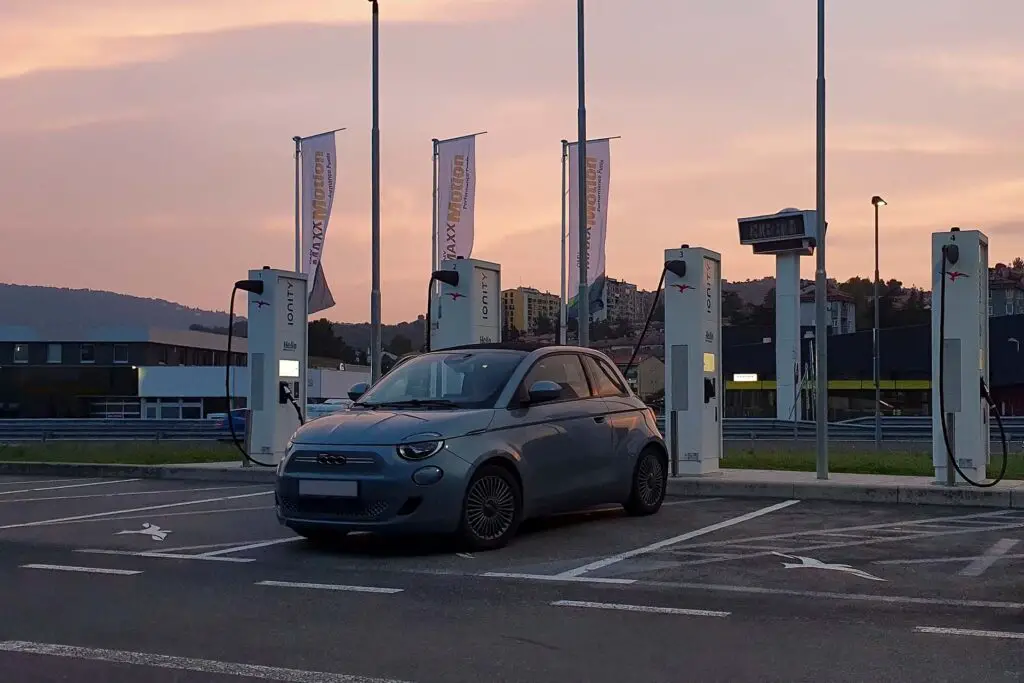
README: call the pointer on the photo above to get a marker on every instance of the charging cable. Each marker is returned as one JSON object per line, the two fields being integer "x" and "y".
{"x": 291, "y": 399}
{"x": 951, "y": 254}
{"x": 256, "y": 287}
{"x": 647, "y": 323}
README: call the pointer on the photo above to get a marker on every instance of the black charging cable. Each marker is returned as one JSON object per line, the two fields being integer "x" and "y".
{"x": 256, "y": 287}
{"x": 647, "y": 323}
{"x": 291, "y": 399}
{"x": 951, "y": 253}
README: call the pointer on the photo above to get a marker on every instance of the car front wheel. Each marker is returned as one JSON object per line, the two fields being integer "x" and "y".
{"x": 649, "y": 484}
{"x": 491, "y": 510}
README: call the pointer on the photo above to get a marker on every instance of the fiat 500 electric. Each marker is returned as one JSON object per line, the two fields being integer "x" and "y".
{"x": 471, "y": 441}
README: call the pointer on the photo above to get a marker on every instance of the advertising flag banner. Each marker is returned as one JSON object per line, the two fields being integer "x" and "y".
{"x": 319, "y": 173}
{"x": 596, "y": 184}
{"x": 456, "y": 197}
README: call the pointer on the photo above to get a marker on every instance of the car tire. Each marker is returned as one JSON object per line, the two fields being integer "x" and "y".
{"x": 650, "y": 482}
{"x": 492, "y": 509}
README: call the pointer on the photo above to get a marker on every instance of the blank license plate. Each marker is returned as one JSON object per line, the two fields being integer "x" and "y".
{"x": 334, "y": 489}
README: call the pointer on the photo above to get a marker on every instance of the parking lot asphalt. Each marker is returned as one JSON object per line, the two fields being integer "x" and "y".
{"x": 148, "y": 580}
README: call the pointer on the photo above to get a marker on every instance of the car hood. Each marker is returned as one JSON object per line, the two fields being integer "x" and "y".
{"x": 387, "y": 427}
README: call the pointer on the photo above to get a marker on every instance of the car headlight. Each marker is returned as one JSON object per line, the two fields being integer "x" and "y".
{"x": 420, "y": 450}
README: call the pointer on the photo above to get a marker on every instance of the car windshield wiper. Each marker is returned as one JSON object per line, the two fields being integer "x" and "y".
{"x": 417, "y": 403}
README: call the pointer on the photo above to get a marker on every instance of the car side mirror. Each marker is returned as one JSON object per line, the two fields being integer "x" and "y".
{"x": 544, "y": 391}
{"x": 357, "y": 390}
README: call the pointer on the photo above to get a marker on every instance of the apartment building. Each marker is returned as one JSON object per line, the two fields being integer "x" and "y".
{"x": 522, "y": 306}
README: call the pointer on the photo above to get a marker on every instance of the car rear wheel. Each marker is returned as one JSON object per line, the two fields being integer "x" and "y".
{"x": 649, "y": 484}
{"x": 491, "y": 509}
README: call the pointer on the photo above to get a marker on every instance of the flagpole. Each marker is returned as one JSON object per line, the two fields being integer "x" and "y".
{"x": 433, "y": 219}
{"x": 298, "y": 204}
{"x": 583, "y": 302}
{"x": 375, "y": 313}
{"x": 563, "y": 334}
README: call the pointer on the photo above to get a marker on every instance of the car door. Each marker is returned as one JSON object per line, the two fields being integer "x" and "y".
{"x": 615, "y": 463}
{"x": 556, "y": 439}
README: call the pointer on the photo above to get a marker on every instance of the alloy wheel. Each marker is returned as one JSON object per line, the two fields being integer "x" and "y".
{"x": 490, "y": 507}
{"x": 650, "y": 480}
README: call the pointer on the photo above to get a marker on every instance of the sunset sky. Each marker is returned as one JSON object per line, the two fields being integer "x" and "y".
{"x": 145, "y": 145}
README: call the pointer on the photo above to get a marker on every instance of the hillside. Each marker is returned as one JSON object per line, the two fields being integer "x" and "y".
{"x": 80, "y": 308}
{"x": 38, "y": 306}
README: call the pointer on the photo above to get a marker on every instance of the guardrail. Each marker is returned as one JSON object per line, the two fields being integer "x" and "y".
{"x": 735, "y": 429}
{"x": 12, "y": 431}
{"x": 857, "y": 429}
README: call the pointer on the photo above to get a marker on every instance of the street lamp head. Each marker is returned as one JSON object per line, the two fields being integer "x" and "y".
{"x": 878, "y": 201}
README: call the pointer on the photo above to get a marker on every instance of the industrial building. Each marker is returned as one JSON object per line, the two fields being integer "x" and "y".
{"x": 133, "y": 373}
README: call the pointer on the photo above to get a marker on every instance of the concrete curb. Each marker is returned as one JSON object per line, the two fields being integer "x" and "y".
{"x": 254, "y": 475}
{"x": 891, "y": 494}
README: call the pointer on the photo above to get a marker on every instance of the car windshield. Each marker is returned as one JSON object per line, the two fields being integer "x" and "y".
{"x": 446, "y": 379}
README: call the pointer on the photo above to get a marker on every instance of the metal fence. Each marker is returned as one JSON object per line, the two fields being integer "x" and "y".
{"x": 735, "y": 429}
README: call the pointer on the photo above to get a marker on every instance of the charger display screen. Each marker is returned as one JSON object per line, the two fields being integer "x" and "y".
{"x": 288, "y": 368}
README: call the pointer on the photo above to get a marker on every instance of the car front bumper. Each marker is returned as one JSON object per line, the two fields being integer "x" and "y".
{"x": 387, "y": 500}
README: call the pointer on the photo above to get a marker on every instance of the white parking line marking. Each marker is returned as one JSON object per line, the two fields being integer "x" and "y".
{"x": 969, "y": 632}
{"x": 205, "y": 546}
{"x": 189, "y": 513}
{"x": 556, "y": 577}
{"x": 208, "y": 666}
{"x": 948, "y": 560}
{"x": 600, "y": 564}
{"x": 330, "y": 587}
{"x": 991, "y": 556}
{"x": 689, "y": 502}
{"x": 162, "y": 555}
{"x": 89, "y": 570}
{"x": 818, "y": 595}
{"x": 640, "y": 608}
{"x": 70, "y": 486}
{"x": 39, "y": 481}
{"x": 252, "y": 546}
{"x": 127, "y": 493}
{"x": 110, "y": 513}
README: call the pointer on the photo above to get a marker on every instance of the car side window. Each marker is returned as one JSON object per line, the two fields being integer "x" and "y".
{"x": 606, "y": 383}
{"x": 563, "y": 369}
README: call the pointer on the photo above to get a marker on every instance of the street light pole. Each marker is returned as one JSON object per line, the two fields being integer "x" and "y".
{"x": 820, "y": 280}
{"x": 583, "y": 300}
{"x": 877, "y": 201}
{"x": 375, "y": 331}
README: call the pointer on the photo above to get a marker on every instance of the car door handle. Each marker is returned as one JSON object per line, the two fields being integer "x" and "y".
{"x": 599, "y": 419}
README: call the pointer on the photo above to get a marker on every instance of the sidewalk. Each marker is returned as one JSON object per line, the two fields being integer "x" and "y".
{"x": 728, "y": 483}
{"x": 859, "y": 488}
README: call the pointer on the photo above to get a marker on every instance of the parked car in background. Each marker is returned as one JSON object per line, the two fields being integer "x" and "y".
{"x": 328, "y": 407}
{"x": 471, "y": 441}
{"x": 237, "y": 417}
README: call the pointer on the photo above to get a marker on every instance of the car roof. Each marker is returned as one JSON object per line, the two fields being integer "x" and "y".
{"x": 525, "y": 347}
{"x": 507, "y": 346}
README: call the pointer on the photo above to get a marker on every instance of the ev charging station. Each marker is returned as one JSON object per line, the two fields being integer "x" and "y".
{"x": 693, "y": 359}
{"x": 960, "y": 367}
{"x": 466, "y": 308}
{"x": 277, "y": 359}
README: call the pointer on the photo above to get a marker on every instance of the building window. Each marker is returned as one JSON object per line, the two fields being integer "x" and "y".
{"x": 87, "y": 353}
{"x": 21, "y": 353}
{"x": 54, "y": 353}
{"x": 120, "y": 353}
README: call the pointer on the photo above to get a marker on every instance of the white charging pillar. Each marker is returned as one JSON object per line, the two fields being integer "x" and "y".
{"x": 277, "y": 356}
{"x": 693, "y": 359}
{"x": 965, "y": 355}
{"x": 469, "y": 311}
